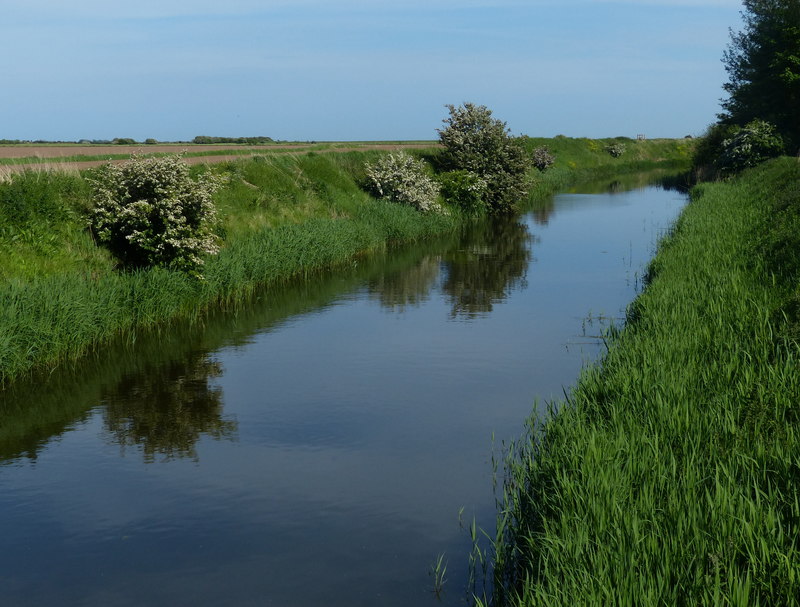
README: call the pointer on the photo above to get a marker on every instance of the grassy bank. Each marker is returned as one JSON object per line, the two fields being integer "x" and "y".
{"x": 672, "y": 475}
{"x": 581, "y": 159}
{"x": 281, "y": 215}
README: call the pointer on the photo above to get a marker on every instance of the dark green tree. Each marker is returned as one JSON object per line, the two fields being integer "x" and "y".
{"x": 763, "y": 65}
{"x": 474, "y": 141}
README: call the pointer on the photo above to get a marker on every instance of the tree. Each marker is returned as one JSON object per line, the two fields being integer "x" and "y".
{"x": 474, "y": 141}
{"x": 763, "y": 65}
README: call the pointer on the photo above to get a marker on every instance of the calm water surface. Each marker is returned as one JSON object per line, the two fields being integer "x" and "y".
{"x": 316, "y": 447}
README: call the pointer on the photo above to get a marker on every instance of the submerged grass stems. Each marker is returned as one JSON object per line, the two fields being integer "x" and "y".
{"x": 672, "y": 475}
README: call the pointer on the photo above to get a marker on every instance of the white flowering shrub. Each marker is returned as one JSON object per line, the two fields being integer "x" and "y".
{"x": 543, "y": 159}
{"x": 750, "y": 145}
{"x": 401, "y": 178}
{"x": 616, "y": 149}
{"x": 151, "y": 212}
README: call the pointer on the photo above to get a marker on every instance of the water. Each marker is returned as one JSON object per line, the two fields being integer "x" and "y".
{"x": 317, "y": 446}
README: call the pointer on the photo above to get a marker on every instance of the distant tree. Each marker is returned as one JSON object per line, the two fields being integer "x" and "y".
{"x": 474, "y": 141}
{"x": 206, "y": 139}
{"x": 763, "y": 65}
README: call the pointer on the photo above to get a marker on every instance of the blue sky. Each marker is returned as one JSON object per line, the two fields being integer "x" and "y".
{"x": 358, "y": 69}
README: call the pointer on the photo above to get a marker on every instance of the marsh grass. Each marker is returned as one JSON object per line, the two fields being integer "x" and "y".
{"x": 671, "y": 475}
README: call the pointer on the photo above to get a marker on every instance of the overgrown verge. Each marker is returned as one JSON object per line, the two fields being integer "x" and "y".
{"x": 672, "y": 474}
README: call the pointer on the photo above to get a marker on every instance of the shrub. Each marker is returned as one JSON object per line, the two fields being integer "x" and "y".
{"x": 474, "y": 141}
{"x": 616, "y": 149}
{"x": 709, "y": 149}
{"x": 749, "y": 146}
{"x": 542, "y": 158}
{"x": 464, "y": 190}
{"x": 150, "y": 212}
{"x": 401, "y": 178}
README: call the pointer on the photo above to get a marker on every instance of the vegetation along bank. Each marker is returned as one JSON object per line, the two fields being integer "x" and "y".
{"x": 277, "y": 216}
{"x": 671, "y": 475}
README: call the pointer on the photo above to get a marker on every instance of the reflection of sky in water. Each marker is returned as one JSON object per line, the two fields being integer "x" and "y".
{"x": 362, "y": 424}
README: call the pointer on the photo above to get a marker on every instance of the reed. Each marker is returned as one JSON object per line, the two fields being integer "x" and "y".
{"x": 670, "y": 474}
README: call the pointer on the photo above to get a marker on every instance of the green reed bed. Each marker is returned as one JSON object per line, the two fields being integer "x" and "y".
{"x": 672, "y": 474}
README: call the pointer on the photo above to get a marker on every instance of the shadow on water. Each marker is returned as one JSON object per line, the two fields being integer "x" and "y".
{"x": 157, "y": 395}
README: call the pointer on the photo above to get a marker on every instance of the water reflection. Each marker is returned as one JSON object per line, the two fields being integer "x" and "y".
{"x": 407, "y": 287}
{"x": 160, "y": 397}
{"x": 542, "y": 211}
{"x": 489, "y": 265}
{"x": 478, "y": 270}
{"x": 166, "y": 409}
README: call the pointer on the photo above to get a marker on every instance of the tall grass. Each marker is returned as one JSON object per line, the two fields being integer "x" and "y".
{"x": 671, "y": 476}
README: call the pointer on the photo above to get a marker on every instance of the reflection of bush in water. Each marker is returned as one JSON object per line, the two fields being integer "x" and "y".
{"x": 541, "y": 212}
{"x": 409, "y": 287}
{"x": 490, "y": 263}
{"x": 165, "y": 410}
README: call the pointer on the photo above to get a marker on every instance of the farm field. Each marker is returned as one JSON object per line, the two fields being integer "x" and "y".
{"x": 19, "y": 157}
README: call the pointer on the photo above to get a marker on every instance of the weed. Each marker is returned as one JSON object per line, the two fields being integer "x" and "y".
{"x": 437, "y": 571}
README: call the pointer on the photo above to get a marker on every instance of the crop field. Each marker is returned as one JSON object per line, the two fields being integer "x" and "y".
{"x": 74, "y": 157}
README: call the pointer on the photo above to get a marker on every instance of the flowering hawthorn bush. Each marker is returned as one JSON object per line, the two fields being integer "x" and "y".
{"x": 616, "y": 149}
{"x": 543, "y": 159}
{"x": 401, "y": 178}
{"x": 750, "y": 145}
{"x": 150, "y": 212}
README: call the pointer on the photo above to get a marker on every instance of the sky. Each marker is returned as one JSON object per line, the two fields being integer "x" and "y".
{"x": 358, "y": 70}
